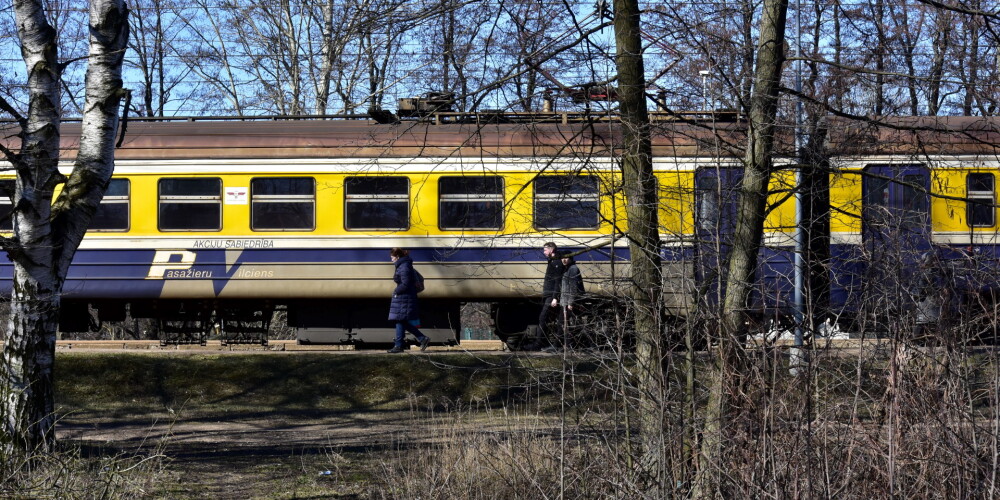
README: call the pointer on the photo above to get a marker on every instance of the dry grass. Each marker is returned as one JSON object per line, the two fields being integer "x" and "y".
{"x": 459, "y": 427}
{"x": 72, "y": 475}
{"x": 503, "y": 457}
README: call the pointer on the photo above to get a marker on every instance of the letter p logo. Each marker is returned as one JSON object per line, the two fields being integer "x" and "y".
{"x": 170, "y": 259}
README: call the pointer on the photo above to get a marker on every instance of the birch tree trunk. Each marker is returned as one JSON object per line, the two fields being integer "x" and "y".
{"x": 745, "y": 245}
{"x": 46, "y": 232}
{"x": 644, "y": 239}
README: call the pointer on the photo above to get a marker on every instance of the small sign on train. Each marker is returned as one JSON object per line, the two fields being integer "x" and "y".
{"x": 236, "y": 195}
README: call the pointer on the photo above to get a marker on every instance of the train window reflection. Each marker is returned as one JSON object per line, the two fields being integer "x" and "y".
{"x": 113, "y": 212}
{"x": 471, "y": 202}
{"x": 914, "y": 200}
{"x": 377, "y": 203}
{"x": 715, "y": 207}
{"x": 283, "y": 204}
{"x": 566, "y": 202}
{"x": 980, "y": 210}
{"x": 190, "y": 204}
{"x": 7, "y": 205}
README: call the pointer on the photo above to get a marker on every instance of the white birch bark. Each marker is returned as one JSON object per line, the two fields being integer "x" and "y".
{"x": 47, "y": 233}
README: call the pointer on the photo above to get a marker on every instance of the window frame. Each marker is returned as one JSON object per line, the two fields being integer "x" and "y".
{"x": 125, "y": 199}
{"x": 566, "y": 198}
{"x": 282, "y": 198}
{"x": 374, "y": 198}
{"x": 188, "y": 199}
{"x": 471, "y": 197}
{"x": 988, "y": 196}
{"x": 715, "y": 207}
{"x": 8, "y": 202}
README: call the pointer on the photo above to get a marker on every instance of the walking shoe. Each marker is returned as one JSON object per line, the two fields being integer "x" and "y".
{"x": 424, "y": 342}
{"x": 395, "y": 350}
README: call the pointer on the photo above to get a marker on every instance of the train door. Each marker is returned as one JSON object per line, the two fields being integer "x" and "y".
{"x": 896, "y": 211}
{"x": 715, "y": 221}
{"x": 896, "y": 235}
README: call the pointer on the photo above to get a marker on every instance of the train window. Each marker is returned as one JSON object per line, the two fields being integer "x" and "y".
{"x": 980, "y": 210}
{"x": 112, "y": 213}
{"x": 915, "y": 201}
{"x": 566, "y": 202}
{"x": 471, "y": 202}
{"x": 710, "y": 203}
{"x": 190, "y": 204}
{"x": 7, "y": 205}
{"x": 715, "y": 206}
{"x": 377, "y": 203}
{"x": 283, "y": 204}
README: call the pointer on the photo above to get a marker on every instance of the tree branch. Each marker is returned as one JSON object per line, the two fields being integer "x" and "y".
{"x": 6, "y": 106}
{"x": 13, "y": 247}
{"x": 961, "y": 10}
{"x": 11, "y": 156}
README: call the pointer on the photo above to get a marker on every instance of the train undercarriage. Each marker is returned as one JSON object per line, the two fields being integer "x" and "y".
{"x": 361, "y": 323}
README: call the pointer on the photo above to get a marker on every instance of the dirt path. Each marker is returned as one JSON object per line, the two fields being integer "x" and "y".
{"x": 252, "y": 457}
{"x": 265, "y": 457}
{"x": 266, "y": 425}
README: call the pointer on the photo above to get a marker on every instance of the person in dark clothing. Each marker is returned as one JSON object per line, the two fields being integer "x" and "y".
{"x": 404, "y": 308}
{"x": 550, "y": 290}
{"x": 570, "y": 294}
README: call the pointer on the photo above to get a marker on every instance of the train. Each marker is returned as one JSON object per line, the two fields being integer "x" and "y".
{"x": 209, "y": 226}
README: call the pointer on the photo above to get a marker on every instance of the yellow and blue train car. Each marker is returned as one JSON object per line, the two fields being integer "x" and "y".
{"x": 208, "y": 219}
{"x": 217, "y": 223}
{"x": 913, "y": 206}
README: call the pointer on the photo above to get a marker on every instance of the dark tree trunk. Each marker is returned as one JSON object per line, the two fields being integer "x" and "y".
{"x": 643, "y": 236}
{"x": 746, "y": 239}
{"x": 816, "y": 218}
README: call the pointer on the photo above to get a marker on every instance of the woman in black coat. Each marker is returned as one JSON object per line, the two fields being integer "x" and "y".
{"x": 570, "y": 294}
{"x": 404, "y": 308}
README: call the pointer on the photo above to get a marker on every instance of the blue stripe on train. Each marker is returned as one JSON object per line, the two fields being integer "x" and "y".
{"x": 123, "y": 272}
{"x": 108, "y": 273}
{"x": 340, "y": 255}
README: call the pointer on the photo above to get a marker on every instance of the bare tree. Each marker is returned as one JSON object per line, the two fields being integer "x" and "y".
{"x": 154, "y": 31}
{"x": 751, "y": 211}
{"x": 46, "y": 232}
{"x": 335, "y": 27}
{"x": 209, "y": 56}
{"x": 382, "y": 49}
{"x": 453, "y": 47}
{"x": 644, "y": 238}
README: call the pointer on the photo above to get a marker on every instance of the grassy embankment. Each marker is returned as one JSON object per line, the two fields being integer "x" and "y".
{"x": 360, "y": 406}
{"x": 500, "y": 425}
{"x": 135, "y": 384}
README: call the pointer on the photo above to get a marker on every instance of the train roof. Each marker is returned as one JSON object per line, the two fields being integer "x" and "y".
{"x": 362, "y": 138}
{"x": 359, "y": 138}
{"x": 914, "y": 136}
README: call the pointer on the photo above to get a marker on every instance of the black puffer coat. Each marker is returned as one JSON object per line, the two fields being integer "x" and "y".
{"x": 553, "y": 279}
{"x": 404, "y": 298}
{"x": 572, "y": 284}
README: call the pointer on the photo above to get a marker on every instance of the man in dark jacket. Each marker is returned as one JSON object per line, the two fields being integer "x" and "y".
{"x": 550, "y": 290}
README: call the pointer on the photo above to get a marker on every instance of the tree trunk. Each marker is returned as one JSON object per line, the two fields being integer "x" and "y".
{"x": 753, "y": 191}
{"x": 942, "y": 46}
{"x": 47, "y": 233}
{"x": 816, "y": 214}
{"x": 644, "y": 239}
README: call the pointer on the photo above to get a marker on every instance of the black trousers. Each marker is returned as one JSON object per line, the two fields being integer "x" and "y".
{"x": 553, "y": 314}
